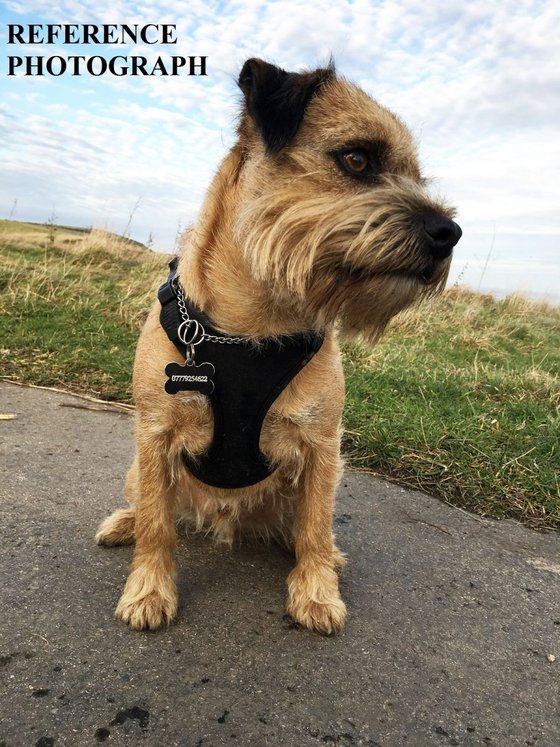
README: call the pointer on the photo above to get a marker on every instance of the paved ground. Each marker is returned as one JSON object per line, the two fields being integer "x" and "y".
{"x": 451, "y": 617}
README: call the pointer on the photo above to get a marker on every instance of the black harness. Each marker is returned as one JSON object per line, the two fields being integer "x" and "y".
{"x": 247, "y": 378}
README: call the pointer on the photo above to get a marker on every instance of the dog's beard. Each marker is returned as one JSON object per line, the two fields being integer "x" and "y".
{"x": 358, "y": 258}
{"x": 365, "y": 306}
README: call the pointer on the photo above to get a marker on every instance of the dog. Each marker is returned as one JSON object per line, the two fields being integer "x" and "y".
{"x": 317, "y": 223}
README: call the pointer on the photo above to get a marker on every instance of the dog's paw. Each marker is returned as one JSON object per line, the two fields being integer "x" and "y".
{"x": 314, "y": 600}
{"x": 117, "y": 529}
{"x": 322, "y": 617}
{"x": 144, "y": 606}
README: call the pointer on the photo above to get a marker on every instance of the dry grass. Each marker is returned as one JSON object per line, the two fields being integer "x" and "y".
{"x": 62, "y": 271}
{"x": 72, "y": 307}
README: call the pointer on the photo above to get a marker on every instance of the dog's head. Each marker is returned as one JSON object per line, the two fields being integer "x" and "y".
{"x": 333, "y": 212}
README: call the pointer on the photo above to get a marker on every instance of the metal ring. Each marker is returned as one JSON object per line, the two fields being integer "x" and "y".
{"x": 195, "y": 337}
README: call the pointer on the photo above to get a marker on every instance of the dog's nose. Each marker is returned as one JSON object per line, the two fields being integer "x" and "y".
{"x": 442, "y": 234}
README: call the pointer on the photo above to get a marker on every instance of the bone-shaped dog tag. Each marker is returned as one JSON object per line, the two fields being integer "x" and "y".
{"x": 189, "y": 378}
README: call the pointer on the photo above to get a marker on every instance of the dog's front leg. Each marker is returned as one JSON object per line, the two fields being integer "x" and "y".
{"x": 150, "y": 594}
{"x": 313, "y": 596}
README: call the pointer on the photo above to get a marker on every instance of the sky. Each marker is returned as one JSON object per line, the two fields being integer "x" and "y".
{"x": 478, "y": 84}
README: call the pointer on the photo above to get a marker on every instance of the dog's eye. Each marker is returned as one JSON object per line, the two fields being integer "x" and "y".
{"x": 362, "y": 161}
{"x": 356, "y": 161}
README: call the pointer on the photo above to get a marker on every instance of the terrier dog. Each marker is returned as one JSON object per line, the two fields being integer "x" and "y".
{"x": 317, "y": 218}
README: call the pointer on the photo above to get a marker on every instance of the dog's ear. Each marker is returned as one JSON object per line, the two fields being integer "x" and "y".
{"x": 276, "y": 100}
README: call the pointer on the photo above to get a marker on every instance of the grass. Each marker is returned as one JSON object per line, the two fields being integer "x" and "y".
{"x": 71, "y": 309}
{"x": 461, "y": 397}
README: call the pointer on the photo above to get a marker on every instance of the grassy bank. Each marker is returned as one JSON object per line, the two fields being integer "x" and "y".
{"x": 460, "y": 398}
{"x": 71, "y": 305}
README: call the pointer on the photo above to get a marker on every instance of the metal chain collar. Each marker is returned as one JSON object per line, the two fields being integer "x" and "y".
{"x": 191, "y": 332}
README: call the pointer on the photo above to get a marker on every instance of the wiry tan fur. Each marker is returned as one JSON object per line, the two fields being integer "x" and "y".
{"x": 284, "y": 243}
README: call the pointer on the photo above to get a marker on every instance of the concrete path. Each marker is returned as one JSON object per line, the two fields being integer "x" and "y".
{"x": 452, "y": 619}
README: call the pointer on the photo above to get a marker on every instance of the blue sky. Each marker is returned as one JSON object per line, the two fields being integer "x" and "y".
{"x": 478, "y": 83}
